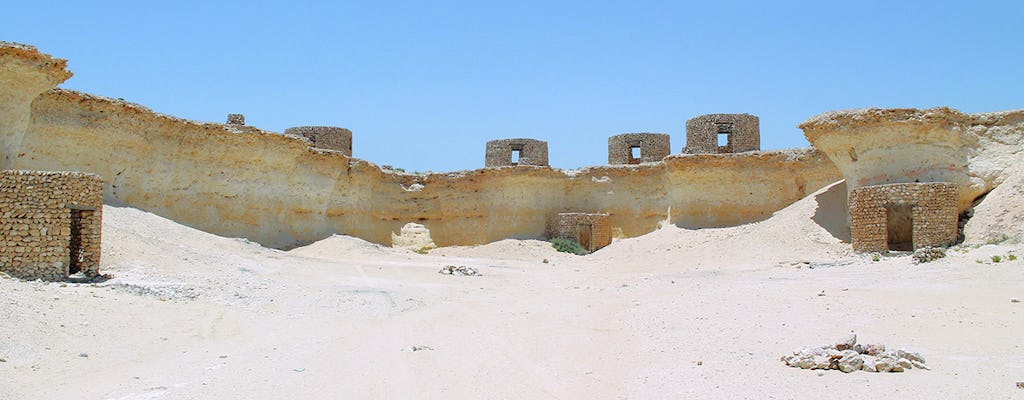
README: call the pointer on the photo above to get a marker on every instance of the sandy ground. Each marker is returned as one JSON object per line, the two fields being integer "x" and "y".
{"x": 673, "y": 314}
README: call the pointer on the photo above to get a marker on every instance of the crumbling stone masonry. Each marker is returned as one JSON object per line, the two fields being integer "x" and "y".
{"x": 236, "y": 119}
{"x": 507, "y": 152}
{"x": 722, "y": 133}
{"x": 651, "y": 147}
{"x": 325, "y": 137}
{"x": 903, "y": 216}
{"x": 592, "y": 231}
{"x": 50, "y": 224}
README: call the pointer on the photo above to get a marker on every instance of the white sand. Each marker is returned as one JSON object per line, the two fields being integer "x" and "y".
{"x": 673, "y": 314}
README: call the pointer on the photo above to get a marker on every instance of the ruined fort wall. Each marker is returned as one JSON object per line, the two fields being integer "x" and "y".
{"x": 240, "y": 181}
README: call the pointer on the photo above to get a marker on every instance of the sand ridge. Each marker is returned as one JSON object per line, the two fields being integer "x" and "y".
{"x": 677, "y": 313}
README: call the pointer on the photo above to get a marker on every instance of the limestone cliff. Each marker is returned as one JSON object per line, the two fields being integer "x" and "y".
{"x": 277, "y": 190}
{"x": 879, "y": 146}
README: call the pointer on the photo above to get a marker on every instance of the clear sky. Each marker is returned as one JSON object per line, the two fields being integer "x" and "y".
{"x": 424, "y": 85}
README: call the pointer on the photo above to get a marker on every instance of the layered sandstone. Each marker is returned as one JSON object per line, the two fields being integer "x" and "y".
{"x": 882, "y": 146}
{"x": 279, "y": 190}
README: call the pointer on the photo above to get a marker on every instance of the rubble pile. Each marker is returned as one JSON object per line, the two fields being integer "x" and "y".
{"x": 848, "y": 356}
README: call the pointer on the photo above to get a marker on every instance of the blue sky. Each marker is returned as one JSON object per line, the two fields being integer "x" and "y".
{"x": 423, "y": 85}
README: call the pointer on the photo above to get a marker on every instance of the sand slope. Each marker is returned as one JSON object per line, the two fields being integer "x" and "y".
{"x": 677, "y": 313}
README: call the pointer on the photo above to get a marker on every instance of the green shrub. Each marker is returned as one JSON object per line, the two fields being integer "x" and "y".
{"x": 567, "y": 246}
{"x": 1011, "y": 257}
{"x": 996, "y": 259}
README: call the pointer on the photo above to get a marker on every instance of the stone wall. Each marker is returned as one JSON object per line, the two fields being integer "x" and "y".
{"x": 531, "y": 152}
{"x": 279, "y": 191}
{"x": 653, "y": 147}
{"x": 50, "y": 224}
{"x": 325, "y": 137}
{"x": 592, "y": 231}
{"x": 879, "y": 215}
{"x": 743, "y": 131}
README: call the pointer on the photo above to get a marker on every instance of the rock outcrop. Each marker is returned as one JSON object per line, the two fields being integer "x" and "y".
{"x": 880, "y": 146}
{"x": 280, "y": 191}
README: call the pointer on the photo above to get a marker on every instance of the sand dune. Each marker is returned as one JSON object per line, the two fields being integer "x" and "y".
{"x": 677, "y": 313}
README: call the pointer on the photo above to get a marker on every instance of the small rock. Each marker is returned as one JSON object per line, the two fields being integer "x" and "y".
{"x": 545, "y": 261}
{"x": 904, "y": 363}
{"x": 459, "y": 270}
{"x": 298, "y": 369}
{"x": 84, "y": 355}
{"x": 1020, "y": 385}
{"x": 850, "y": 362}
{"x": 919, "y": 365}
{"x": 822, "y": 293}
{"x": 847, "y": 342}
{"x": 910, "y": 356}
{"x": 869, "y": 363}
{"x": 928, "y": 254}
{"x": 874, "y": 349}
{"x": 884, "y": 364}
{"x": 3, "y": 359}
{"x": 1014, "y": 300}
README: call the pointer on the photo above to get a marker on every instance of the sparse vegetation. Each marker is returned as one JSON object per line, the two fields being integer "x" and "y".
{"x": 996, "y": 259}
{"x": 875, "y": 257}
{"x": 568, "y": 246}
{"x": 1011, "y": 257}
{"x": 424, "y": 250}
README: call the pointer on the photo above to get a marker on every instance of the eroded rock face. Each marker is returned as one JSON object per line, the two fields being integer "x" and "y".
{"x": 24, "y": 74}
{"x": 881, "y": 146}
{"x": 279, "y": 190}
{"x": 274, "y": 189}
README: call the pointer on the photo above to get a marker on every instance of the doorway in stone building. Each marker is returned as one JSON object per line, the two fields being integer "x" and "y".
{"x": 899, "y": 226}
{"x": 77, "y": 250}
{"x": 585, "y": 233}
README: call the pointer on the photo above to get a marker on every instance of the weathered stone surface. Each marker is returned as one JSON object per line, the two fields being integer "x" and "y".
{"x": 743, "y": 133}
{"x": 850, "y": 361}
{"x": 239, "y": 181}
{"x": 653, "y": 147}
{"x": 499, "y": 153}
{"x": 50, "y": 222}
{"x": 928, "y": 254}
{"x": 847, "y": 342}
{"x": 854, "y": 357}
{"x": 591, "y": 230}
{"x": 930, "y": 215}
{"x": 325, "y": 137}
{"x": 882, "y": 146}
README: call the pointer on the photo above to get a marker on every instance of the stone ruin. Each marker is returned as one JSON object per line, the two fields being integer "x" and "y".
{"x": 722, "y": 133}
{"x": 636, "y": 148}
{"x": 325, "y": 137}
{"x": 849, "y": 356}
{"x": 50, "y": 224}
{"x": 510, "y": 152}
{"x": 236, "y": 119}
{"x": 591, "y": 231}
{"x": 903, "y": 216}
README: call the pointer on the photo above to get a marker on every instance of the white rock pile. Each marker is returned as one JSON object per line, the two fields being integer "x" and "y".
{"x": 848, "y": 356}
{"x": 459, "y": 270}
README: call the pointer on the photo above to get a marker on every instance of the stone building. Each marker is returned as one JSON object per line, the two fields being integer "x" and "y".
{"x": 635, "y": 148}
{"x": 325, "y": 137}
{"x": 236, "y": 119}
{"x": 591, "y": 231}
{"x": 506, "y": 152}
{"x": 723, "y": 133}
{"x": 50, "y": 224}
{"x": 903, "y": 216}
